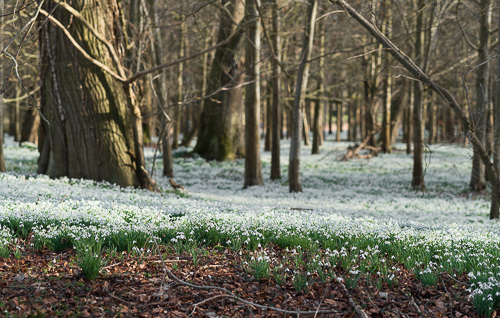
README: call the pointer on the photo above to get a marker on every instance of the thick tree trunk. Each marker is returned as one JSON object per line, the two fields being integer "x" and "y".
{"x": 478, "y": 177}
{"x": 221, "y": 134}
{"x": 90, "y": 134}
{"x": 253, "y": 166}
{"x": 300, "y": 91}
{"x": 31, "y": 125}
{"x": 277, "y": 119}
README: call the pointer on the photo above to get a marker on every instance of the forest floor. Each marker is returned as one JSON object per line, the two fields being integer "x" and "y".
{"x": 357, "y": 241}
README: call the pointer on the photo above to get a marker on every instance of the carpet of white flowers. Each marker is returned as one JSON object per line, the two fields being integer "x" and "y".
{"x": 359, "y": 216}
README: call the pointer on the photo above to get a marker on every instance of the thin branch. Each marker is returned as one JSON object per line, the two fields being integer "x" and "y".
{"x": 80, "y": 49}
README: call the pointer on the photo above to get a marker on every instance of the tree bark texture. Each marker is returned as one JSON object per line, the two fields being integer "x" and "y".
{"x": 386, "y": 120}
{"x": 161, "y": 89}
{"x": 478, "y": 177}
{"x": 495, "y": 195}
{"x": 418, "y": 92}
{"x": 253, "y": 166}
{"x": 277, "y": 120}
{"x": 180, "y": 90}
{"x": 90, "y": 134}
{"x": 221, "y": 132}
{"x": 2, "y": 106}
{"x": 300, "y": 91}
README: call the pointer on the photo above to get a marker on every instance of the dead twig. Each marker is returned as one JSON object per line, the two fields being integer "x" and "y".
{"x": 206, "y": 300}
{"x": 117, "y": 298}
{"x": 449, "y": 296}
{"x": 321, "y": 301}
{"x": 360, "y": 312}
{"x": 412, "y": 302}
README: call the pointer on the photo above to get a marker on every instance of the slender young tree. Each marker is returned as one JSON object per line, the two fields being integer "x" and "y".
{"x": 180, "y": 88}
{"x": 300, "y": 91}
{"x": 494, "y": 211}
{"x": 478, "y": 176}
{"x": 386, "y": 104}
{"x": 318, "y": 107}
{"x": 276, "y": 91}
{"x": 253, "y": 166}
{"x": 418, "y": 91}
{"x": 162, "y": 92}
{"x": 2, "y": 157}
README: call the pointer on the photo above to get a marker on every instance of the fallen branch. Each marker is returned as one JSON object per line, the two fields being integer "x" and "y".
{"x": 412, "y": 302}
{"x": 449, "y": 296}
{"x": 175, "y": 185}
{"x": 360, "y": 312}
{"x": 353, "y": 153}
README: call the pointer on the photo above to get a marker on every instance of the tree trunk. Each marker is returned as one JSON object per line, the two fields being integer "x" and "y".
{"x": 478, "y": 178}
{"x": 397, "y": 111}
{"x": 31, "y": 125}
{"x": 300, "y": 91}
{"x": 91, "y": 134}
{"x": 432, "y": 107}
{"x": 369, "y": 129}
{"x": 495, "y": 195}
{"x": 339, "y": 121}
{"x": 17, "y": 128}
{"x": 197, "y": 114}
{"x": 330, "y": 112}
{"x": 409, "y": 122}
{"x": 277, "y": 119}
{"x": 180, "y": 90}
{"x": 269, "y": 119}
{"x": 220, "y": 135}
{"x": 306, "y": 108}
{"x": 318, "y": 120}
{"x": 386, "y": 103}
{"x": 253, "y": 166}
{"x": 2, "y": 106}
{"x": 161, "y": 88}
{"x": 418, "y": 92}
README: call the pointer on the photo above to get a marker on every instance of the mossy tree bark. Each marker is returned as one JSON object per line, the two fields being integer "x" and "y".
{"x": 90, "y": 133}
{"x": 221, "y": 133}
